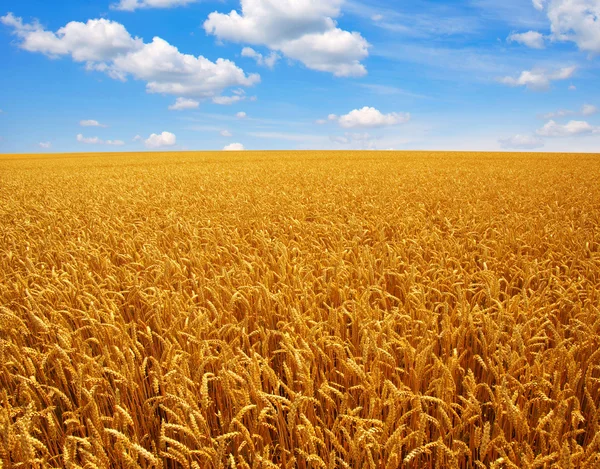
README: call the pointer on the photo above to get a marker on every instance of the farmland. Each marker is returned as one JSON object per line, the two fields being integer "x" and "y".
{"x": 300, "y": 310}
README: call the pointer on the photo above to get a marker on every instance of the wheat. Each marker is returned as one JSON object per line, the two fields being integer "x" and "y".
{"x": 300, "y": 310}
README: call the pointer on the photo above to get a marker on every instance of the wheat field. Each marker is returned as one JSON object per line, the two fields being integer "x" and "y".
{"x": 300, "y": 310}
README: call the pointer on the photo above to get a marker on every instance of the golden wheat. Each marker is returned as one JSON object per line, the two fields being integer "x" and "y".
{"x": 300, "y": 310}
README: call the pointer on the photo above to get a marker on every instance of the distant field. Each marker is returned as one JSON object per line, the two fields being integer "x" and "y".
{"x": 300, "y": 310}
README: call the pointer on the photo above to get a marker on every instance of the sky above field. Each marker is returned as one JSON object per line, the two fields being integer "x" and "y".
{"x": 134, "y": 75}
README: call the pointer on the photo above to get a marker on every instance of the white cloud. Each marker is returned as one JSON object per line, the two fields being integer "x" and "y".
{"x": 97, "y": 40}
{"x": 369, "y": 117}
{"x": 106, "y": 46}
{"x": 45, "y": 145}
{"x": 377, "y": 17}
{"x": 91, "y": 123}
{"x": 226, "y": 133}
{"x": 335, "y": 51}
{"x": 89, "y": 140}
{"x": 182, "y": 104}
{"x": 132, "y": 5}
{"x": 234, "y": 147}
{"x": 138, "y": 138}
{"x": 115, "y": 142}
{"x": 241, "y": 115}
{"x": 553, "y": 129}
{"x": 522, "y": 142}
{"x": 531, "y": 39}
{"x": 538, "y": 79}
{"x": 165, "y": 139}
{"x": 169, "y": 71}
{"x": 320, "y": 121}
{"x": 589, "y": 110}
{"x": 303, "y": 30}
{"x": 572, "y": 87}
{"x": 577, "y": 21}
{"x": 227, "y": 100}
{"x": 268, "y": 61}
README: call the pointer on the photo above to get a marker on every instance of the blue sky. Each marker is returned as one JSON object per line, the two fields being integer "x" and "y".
{"x": 134, "y": 75}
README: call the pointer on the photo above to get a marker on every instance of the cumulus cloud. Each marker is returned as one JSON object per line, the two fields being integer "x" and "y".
{"x": 303, "y": 30}
{"x": 538, "y": 79}
{"x": 589, "y": 110}
{"x": 138, "y": 138}
{"x": 241, "y": 115}
{"x": 132, "y": 5}
{"x": 522, "y": 142}
{"x": 91, "y": 123}
{"x": 226, "y": 133}
{"x": 369, "y": 117}
{"x": 166, "y": 70}
{"x": 268, "y": 61}
{"x": 234, "y": 147}
{"x": 531, "y": 39}
{"x": 106, "y": 46}
{"x": 182, "y": 104}
{"x": 577, "y": 21}
{"x": 165, "y": 139}
{"x": 115, "y": 142}
{"x": 572, "y": 128}
{"x": 95, "y": 41}
{"x": 45, "y": 145}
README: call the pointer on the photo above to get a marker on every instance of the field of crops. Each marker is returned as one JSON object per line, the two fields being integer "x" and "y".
{"x": 300, "y": 310}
